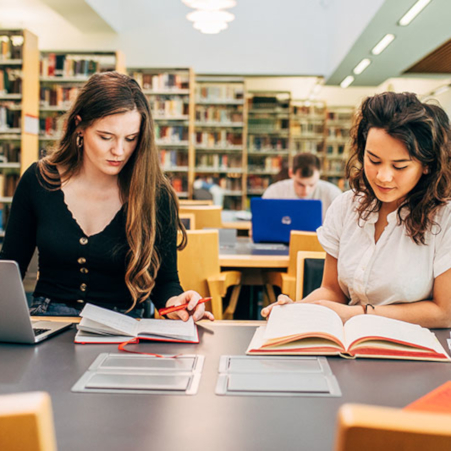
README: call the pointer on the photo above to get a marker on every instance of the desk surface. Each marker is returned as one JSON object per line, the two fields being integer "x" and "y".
{"x": 243, "y": 255}
{"x": 205, "y": 421}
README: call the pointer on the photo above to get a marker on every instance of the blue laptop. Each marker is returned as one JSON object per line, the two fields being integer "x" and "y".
{"x": 274, "y": 219}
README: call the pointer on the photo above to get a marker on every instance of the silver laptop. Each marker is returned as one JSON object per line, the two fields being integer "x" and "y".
{"x": 15, "y": 322}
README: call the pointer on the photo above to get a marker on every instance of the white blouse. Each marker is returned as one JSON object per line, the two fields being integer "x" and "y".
{"x": 394, "y": 269}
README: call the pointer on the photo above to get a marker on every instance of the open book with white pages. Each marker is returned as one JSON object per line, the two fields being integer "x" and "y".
{"x": 99, "y": 325}
{"x": 310, "y": 329}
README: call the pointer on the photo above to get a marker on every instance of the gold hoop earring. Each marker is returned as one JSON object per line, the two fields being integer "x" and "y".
{"x": 79, "y": 141}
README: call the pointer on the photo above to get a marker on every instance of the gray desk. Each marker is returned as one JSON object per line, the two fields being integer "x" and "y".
{"x": 205, "y": 421}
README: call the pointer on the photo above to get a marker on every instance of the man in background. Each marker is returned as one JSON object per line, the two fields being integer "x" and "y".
{"x": 304, "y": 183}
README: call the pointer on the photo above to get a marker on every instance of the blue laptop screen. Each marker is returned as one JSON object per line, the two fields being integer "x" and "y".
{"x": 274, "y": 219}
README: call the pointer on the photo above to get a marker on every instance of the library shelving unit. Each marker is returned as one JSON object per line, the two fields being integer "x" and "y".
{"x": 220, "y": 136}
{"x": 338, "y": 125}
{"x": 268, "y": 143}
{"x": 308, "y": 120}
{"x": 170, "y": 92}
{"x": 19, "y": 101}
{"x": 62, "y": 74}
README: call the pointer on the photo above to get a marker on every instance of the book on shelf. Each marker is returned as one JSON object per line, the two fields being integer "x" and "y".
{"x": 99, "y": 325}
{"x": 310, "y": 329}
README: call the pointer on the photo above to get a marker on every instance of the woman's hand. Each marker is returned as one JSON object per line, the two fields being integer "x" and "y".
{"x": 193, "y": 309}
{"x": 343, "y": 310}
{"x": 282, "y": 299}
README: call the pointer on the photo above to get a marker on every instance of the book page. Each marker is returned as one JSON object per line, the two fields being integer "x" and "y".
{"x": 167, "y": 328}
{"x": 88, "y": 325}
{"x": 379, "y": 327}
{"x": 117, "y": 321}
{"x": 303, "y": 319}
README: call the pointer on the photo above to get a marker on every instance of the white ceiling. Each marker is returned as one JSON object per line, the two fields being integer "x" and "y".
{"x": 289, "y": 37}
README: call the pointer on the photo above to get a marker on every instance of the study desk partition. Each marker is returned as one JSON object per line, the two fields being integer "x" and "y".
{"x": 205, "y": 421}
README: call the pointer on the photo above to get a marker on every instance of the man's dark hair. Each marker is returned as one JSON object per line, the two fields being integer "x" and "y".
{"x": 307, "y": 163}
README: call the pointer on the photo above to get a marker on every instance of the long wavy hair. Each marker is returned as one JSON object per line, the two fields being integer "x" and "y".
{"x": 425, "y": 131}
{"x": 141, "y": 182}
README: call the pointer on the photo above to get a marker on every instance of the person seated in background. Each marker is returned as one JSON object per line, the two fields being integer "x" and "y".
{"x": 388, "y": 240}
{"x": 100, "y": 211}
{"x": 204, "y": 188}
{"x": 304, "y": 183}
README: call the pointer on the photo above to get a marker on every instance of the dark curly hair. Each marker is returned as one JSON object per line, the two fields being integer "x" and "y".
{"x": 425, "y": 131}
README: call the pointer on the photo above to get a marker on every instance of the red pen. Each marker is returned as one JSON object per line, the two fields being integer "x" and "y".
{"x": 175, "y": 308}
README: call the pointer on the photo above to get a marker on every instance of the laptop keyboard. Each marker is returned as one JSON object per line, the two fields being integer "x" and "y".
{"x": 40, "y": 331}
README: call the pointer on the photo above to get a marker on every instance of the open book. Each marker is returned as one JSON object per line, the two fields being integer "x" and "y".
{"x": 300, "y": 329}
{"x": 99, "y": 325}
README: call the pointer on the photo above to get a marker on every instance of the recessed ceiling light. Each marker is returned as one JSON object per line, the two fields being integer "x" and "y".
{"x": 413, "y": 12}
{"x": 440, "y": 90}
{"x": 347, "y": 81}
{"x": 362, "y": 66}
{"x": 382, "y": 44}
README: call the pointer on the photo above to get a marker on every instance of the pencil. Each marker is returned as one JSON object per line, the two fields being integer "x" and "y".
{"x": 175, "y": 308}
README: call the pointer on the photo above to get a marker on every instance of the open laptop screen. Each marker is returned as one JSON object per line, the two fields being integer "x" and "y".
{"x": 274, "y": 219}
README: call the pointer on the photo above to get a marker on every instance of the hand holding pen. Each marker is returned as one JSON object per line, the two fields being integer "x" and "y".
{"x": 185, "y": 305}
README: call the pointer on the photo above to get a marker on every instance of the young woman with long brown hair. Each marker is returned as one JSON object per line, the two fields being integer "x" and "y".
{"x": 388, "y": 240}
{"x": 100, "y": 211}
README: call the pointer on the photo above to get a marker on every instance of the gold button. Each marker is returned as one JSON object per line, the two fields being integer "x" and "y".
{"x": 80, "y": 301}
{"x": 83, "y": 240}
{"x": 81, "y": 260}
{"x": 83, "y": 287}
{"x": 84, "y": 270}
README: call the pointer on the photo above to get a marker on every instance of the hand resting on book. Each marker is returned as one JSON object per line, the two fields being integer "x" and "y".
{"x": 196, "y": 311}
{"x": 345, "y": 311}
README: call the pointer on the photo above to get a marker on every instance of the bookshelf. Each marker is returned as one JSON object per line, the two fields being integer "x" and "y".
{"x": 308, "y": 127}
{"x": 220, "y": 136}
{"x": 62, "y": 74}
{"x": 170, "y": 92}
{"x": 19, "y": 100}
{"x": 268, "y": 142}
{"x": 338, "y": 125}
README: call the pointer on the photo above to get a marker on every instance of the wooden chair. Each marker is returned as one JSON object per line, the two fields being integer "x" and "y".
{"x": 286, "y": 281}
{"x": 195, "y": 203}
{"x": 199, "y": 270}
{"x": 188, "y": 220}
{"x": 371, "y": 428}
{"x": 305, "y": 273}
{"x": 26, "y": 422}
{"x": 207, "y": 216}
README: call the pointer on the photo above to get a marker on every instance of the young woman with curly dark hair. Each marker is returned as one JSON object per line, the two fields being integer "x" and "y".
{"x": 388, "y": 239}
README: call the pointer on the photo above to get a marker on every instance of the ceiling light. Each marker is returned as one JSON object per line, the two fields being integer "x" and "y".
{"x": 210, "y": 5}
{"x": 382, "y": 44}
{"x": 362, "y": 66}
{"x": 210, "y": 16}
{"x": 413, "y": 12}
{"x": 347, "y": 81}
{"x": 440, "y": 90}
{"x": 210, "y": 27}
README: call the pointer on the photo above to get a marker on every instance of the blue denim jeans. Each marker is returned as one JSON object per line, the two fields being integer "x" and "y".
{"x": 42, "y": 306}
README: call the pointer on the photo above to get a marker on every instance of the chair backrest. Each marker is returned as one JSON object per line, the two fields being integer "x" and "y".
{"x": 194, "y": 203}
{"x": 301, "y": 241}
{"x": 199, "y": 260}
{"x": 26, "y": 422}
{"x": 371, "y": 428}
{"x": 188, "y": 220}
{"x": 309, "y": 273}
{"x": 207, "y": 216}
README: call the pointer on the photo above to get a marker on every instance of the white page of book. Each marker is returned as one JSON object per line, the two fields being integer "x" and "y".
{"x": 117, "y": 321}
{"x": 88, "y": 325}
{"x": 379, "y": 326}
{"x": 167, "y": 328}
{"x": 303, "y": 318}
